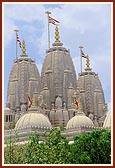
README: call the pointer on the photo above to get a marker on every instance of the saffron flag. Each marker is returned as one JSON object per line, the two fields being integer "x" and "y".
{"x": 18, "y": 40}
{"x": 83, "y": 55}
{"x": 29, "y": 102}
{"x": 76, "y": 103}
{"x": 53, "y": 21}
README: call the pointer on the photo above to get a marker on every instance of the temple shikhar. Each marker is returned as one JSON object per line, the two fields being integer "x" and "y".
{"x": 53, "y": 94}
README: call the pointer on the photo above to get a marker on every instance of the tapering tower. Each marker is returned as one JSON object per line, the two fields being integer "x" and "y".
{"x": 90, "y": 93}
{"x": 58, "y": 71}
{"x": 24, "y": 79}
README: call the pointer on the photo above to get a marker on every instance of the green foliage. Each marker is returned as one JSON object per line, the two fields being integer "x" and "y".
{"x": 53, "y": 151}
{"x": 58, "y": 147}
{"x": 13, "y": 153}
{"x": 88, "y": 148}
{"x": 96, "y": 145}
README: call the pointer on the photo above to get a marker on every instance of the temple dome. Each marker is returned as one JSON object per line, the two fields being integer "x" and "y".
{"x": 33, "y": 119}
{"x": 90, "y": 92}
{"x": 107, "y": 121}
{"x": 24, "y": 79}
{"x": 58, "y": 72}
{"x": 79, "y": 120}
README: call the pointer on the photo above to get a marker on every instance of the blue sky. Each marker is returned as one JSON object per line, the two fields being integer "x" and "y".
{"x": 86, "y": 24}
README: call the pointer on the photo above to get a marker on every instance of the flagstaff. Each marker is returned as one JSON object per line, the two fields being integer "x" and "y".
{"x": 16, "y": 44}
{"x": 81, "y": 57}
{"x": 48, "y": 13}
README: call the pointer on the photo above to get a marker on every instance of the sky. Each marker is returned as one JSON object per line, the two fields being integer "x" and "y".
{"x": 86, "y": 24}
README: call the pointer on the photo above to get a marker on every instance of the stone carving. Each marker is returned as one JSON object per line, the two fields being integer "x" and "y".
{"x": 58, "y": 102}
{"x": 91, "y": 95}
{"x": 95, "y": 122}
{"x": 58, "y": 59}
{"x": 23, "y": 85}
{"x": 91, "y": 116}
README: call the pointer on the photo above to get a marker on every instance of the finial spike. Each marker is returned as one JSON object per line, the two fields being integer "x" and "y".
{"x": 57, "y": 34}
{"x": 33, "y": 102}
{"x": 23, "y": 48}
{"x": 87, "y": 62}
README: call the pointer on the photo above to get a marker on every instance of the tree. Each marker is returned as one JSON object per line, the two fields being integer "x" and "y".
{"x": 13, "y": 153}
{"x": 88, "y": 148}
{"x": 53, "y": 151}
{"x": 93, "y": 147}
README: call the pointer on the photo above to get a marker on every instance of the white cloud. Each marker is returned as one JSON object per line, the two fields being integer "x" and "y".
{"x": 9, "y": 26}
{"x": 24, "y": 12}
{"x": 14, "y": 14}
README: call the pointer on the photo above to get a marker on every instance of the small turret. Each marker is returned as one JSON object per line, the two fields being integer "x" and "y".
{"x": 91, "y": 93}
